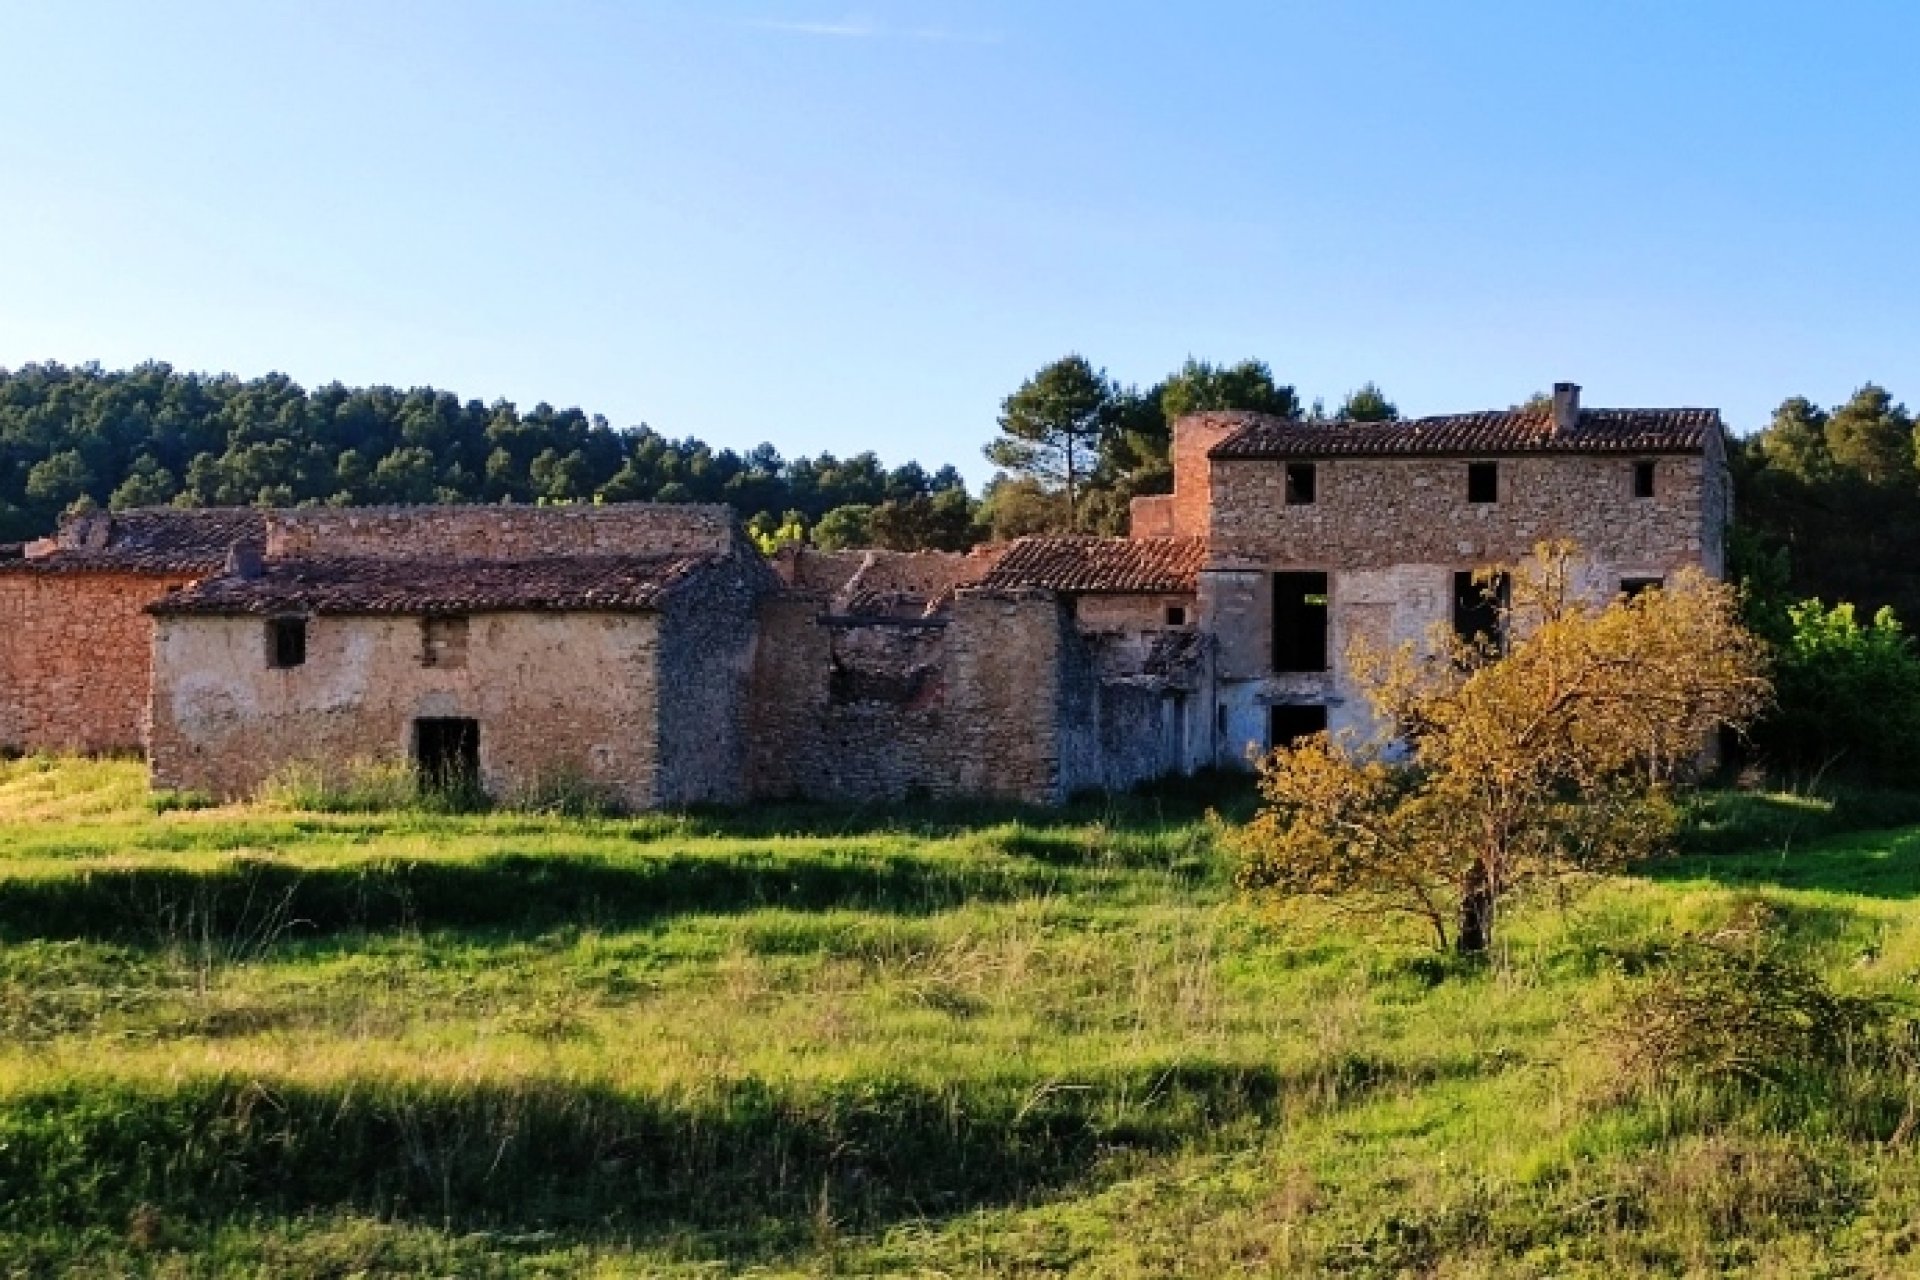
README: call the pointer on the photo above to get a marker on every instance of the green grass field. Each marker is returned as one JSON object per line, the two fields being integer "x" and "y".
{"x": 257, "y": 1041}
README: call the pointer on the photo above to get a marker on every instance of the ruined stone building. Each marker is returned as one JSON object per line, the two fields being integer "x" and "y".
{"x": 651, "y": 654}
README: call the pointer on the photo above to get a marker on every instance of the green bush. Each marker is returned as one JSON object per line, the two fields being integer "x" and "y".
{"x": 1847, "y": 697}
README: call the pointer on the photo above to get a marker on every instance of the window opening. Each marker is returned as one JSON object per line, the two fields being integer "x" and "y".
{"x": 287, "y": 642}
{"x": 1643, "y": 479}
{"x": 1483, "y": 482}
{"x": 1632, "y": 587}
{"x": 1288, "y": 723}
{"x": 1479, "y": 609}
{"x": 1176, "y": 615}
{"x": 447, "y": 754}
{"x": 1301, "y": 480}
{"x": 1299, "y": 622}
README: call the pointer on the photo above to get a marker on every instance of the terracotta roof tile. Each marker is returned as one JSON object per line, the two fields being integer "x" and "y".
{"x": 171, "y": 540}
{"x": 1100, "y": 565}
{"x": 391, "y": 586}
{"x": 1496, "y": 432}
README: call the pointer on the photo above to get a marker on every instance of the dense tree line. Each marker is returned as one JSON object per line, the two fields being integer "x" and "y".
{"x": 154, "y": 436}
{"x": 79, "y": 437}
{"x": 1828, "y": 503}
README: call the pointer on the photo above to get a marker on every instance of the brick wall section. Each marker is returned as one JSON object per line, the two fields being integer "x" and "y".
{"x": 75, "y": 659}
{"x": 501, "y": 533}
{"x": 1151, "y": 517}
{"x": 223, "y": 721}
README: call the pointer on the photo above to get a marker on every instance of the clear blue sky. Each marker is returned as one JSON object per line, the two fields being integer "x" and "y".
{"x": 845, "y": 228}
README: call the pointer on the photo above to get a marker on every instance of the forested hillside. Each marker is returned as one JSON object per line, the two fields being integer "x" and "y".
{"x": 152, "y": 435}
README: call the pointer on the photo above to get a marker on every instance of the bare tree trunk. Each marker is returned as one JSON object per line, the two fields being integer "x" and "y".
{"x": 1477, "y": 903}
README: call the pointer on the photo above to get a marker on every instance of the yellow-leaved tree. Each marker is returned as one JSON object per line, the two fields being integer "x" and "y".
{"x": 1545, "y": 758}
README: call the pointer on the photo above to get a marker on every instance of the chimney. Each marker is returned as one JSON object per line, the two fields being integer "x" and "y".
{"x": 244, "y": 561}
{"x": 1566, "y": 407}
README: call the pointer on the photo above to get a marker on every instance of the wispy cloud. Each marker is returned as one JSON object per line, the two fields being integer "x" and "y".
{"x": 848, "y": 28}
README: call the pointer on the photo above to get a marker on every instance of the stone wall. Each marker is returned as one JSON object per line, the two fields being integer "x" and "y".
{"x": 868, "y": 711}
{"x": 1392, "y": 533}
{"x": 1373, "y": 513}
{"x": 559, "y": 697}
{"x": 502, "y": 533}
{"x": 708, "y": 636}
{"x": 75, "y": 659}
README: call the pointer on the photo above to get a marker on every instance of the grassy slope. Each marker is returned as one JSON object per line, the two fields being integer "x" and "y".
{"x": 243, "y": 1041}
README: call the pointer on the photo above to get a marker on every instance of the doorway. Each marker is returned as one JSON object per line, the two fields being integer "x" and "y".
{"x": 447, "y": 754}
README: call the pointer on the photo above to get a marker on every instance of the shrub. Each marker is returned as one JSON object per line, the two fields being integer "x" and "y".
{"x": 1847, "y": 695}
{"x": 1736, "y": 1007}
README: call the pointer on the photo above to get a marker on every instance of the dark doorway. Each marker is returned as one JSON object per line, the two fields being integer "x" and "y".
{"x": 1299, "y": 622}
{"x": 1480, "y": 609}
{"x": 447, "y": 753}
{"x": 1288, "y": 723}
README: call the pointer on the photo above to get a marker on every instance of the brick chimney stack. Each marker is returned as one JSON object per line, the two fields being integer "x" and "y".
{"x": 1566, "y": 407}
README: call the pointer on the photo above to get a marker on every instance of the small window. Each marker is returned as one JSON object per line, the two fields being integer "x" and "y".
{"x": 1480, "y": 608}
{"x": 1288, "y": 723}
{"x": 443, "y": 641}
{"x": 1483, "y": 482}
{"x": 287, "y": 643}
{"x": 1643, "y": 479}
{"x": 1299, "y": 622}
{"x": 1176, "y": 615}
{"x": 1633, "y": 587}
{"x": 1300, "y": 484}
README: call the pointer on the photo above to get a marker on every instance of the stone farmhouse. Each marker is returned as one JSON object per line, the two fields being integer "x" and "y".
{"x": 652, "y": 654}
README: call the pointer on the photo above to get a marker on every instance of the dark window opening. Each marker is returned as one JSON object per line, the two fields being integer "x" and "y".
{"x": 1632, "y": 587}
{"x": 1479, "y": 609}
{"x": 1288, "y": 723}
{"x": 1483, "y": 482}
{"x": 1300, "y": 484}
{"x": 447, "y": 754}
{"x": 1299, "y": 622}
{"x": 1176, "y": 615}
{"x": 443, "y": 641}
{"x": 1643, "y": 479}
{"x": 287, "y": 642}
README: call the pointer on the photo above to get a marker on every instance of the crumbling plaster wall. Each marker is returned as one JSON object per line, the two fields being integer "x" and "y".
{"x": 558, "y": 696}
{"x": 76, "y": 659}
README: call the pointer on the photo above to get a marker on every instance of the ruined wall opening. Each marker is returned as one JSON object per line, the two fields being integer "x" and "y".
{"x": 1299, "y": 622}
{"x": 446, "y": 751}
{"x": 1289, "y": 723}
{"x": 1480, "y": 608}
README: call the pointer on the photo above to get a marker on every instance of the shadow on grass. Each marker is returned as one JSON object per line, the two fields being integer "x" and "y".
{"x": 251, "y": 903}
{"x": 745, "y": 1160}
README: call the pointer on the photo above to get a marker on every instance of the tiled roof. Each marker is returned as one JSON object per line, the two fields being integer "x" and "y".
{"x": 1496, "y": 432}
{"x": 392, "y": 586}
{"x": 146, "y": 540}
{"x": 1100, "y": 565}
